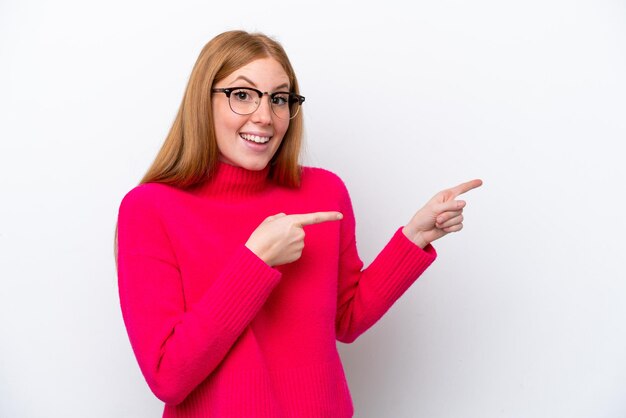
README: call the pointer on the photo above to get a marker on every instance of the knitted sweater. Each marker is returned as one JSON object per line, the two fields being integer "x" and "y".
{"x": 219, "y": 333}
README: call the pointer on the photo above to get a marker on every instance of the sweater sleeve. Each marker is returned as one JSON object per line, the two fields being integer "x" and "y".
{"x": 364, "y": 295}
{"x": 178, "y": 346}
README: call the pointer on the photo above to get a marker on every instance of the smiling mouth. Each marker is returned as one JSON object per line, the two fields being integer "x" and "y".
{"x": 256, "y": 139}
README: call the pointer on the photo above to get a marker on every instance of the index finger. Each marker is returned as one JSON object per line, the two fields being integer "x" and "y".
{"x": 316, "y": 217}
{"x": 466, "y": 187}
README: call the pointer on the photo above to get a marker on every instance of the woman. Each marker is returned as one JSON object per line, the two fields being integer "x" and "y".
{"x": 231, "y": 311}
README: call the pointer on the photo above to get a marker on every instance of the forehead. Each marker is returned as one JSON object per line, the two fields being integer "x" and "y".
{"x": 263, "y": 72}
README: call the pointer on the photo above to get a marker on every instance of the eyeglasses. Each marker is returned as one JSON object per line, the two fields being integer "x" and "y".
{"x": 246, "y": 100}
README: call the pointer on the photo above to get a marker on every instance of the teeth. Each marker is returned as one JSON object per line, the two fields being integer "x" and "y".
{"x": 254, "y": 138}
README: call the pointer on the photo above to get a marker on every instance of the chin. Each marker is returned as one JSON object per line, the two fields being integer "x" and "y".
{"x": 256, "y": 167}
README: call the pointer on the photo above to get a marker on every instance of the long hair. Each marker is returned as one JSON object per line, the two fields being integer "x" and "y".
{"x": 190, "y": 154}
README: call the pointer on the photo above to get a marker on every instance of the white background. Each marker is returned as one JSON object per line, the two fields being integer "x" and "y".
{"x": 522, "y": 315}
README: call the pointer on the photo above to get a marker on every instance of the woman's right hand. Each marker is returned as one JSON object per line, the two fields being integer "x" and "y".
{"x": 280, "y": 238}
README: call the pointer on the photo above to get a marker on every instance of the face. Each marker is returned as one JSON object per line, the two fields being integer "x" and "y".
{"x": 250, "y": 141}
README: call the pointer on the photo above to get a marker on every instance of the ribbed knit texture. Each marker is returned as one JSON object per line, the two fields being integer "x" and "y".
{"x": 219, "y": 333}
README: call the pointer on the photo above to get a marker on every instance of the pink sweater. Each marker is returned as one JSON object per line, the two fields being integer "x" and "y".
{"x": 219, "y": 333}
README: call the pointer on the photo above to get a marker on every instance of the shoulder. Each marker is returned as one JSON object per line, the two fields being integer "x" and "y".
{"x": 322, "y": 178}
{"x": 326, "y": 186}
{"x": 147, "y": 197}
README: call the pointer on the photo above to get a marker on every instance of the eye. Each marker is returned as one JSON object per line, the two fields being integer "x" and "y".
{"x": 280, "y": 99}
{"x": 242, "y": 95}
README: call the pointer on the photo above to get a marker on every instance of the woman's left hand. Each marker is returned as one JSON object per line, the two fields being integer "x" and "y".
{"x": 441, "y": 215}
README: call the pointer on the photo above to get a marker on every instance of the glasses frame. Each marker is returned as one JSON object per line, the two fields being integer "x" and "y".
{"x": 293, "y": 98}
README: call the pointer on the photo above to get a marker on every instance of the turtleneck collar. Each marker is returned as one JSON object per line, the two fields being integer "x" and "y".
{"x": 235, "y": 182}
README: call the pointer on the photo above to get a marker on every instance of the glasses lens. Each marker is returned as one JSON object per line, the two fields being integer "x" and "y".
{"x": 243, "y": 101}
{"x": 285, "y": 105}
{"x": 281, "y": 105}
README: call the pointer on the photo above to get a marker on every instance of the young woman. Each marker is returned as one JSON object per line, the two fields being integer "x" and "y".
{"x": 238, "y": 268}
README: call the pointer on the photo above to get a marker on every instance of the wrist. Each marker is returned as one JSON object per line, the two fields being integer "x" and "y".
{"x": 416, "y": 237}
{"x": 259, "y": 253}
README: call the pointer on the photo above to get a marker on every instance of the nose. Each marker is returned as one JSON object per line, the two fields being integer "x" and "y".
{"x": 263, "y": 114}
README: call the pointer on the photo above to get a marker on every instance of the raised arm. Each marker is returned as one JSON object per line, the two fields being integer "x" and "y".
{"x": 366, "y": 294}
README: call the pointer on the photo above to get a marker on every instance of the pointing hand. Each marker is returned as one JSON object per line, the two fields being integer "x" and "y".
{"x": 279, "y": 239}
{"x": 441, "y": 215}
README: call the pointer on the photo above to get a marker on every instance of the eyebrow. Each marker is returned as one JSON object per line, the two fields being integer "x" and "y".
{"x": 246, "y": 79}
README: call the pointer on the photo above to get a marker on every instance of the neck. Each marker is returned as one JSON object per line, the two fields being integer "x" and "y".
{"x": 232, "y": 181}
